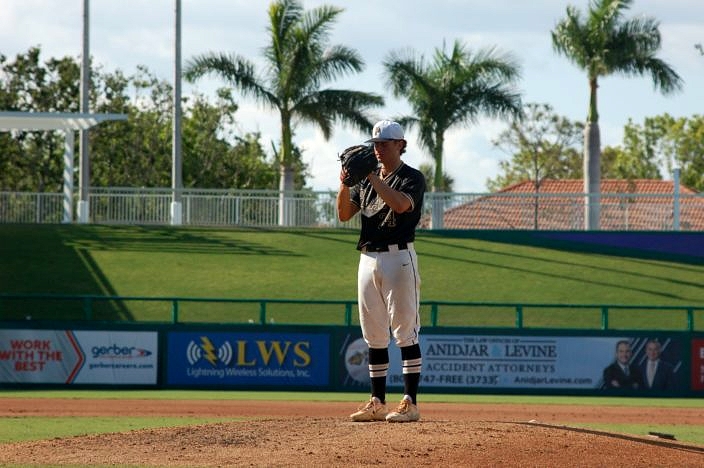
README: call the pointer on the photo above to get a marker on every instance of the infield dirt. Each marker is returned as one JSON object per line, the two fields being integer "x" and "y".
{"x": 319, "y": 434}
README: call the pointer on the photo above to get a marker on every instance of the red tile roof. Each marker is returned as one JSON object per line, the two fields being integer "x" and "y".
{"x": 560, "y": 206}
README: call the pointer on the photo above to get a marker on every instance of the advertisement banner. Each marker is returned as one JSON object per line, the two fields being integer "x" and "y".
{"x": 118, "y": 357}
{"x": 530, "y": 362}
{"x": 698, "y": 364}
{"x": 243, "y": 358}
{"x": 78, "y": 357}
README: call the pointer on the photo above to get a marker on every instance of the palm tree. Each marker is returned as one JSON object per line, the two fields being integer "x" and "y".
{"x": 602, "y": 44}
{"x": 453, "y": 89}
{"x": 299, "y": 61}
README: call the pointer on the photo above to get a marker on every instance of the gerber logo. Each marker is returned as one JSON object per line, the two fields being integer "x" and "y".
{"x": 206, "y": 350}
{"x": 115, "y": 351}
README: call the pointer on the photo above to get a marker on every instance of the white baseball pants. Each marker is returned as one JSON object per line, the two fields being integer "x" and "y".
{"x": 388, "y": 287}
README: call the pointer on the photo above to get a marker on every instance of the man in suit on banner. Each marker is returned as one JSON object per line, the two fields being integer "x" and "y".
{"x": 622, "y": 373}
{"x": 657, "y": 374}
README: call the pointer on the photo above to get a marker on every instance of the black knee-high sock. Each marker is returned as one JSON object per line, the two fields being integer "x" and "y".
{"x": 412, "y": 363}
{"x": 378, "y": 368}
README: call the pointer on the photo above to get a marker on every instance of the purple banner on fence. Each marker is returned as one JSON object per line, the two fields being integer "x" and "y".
{"x": 673, "y": 243}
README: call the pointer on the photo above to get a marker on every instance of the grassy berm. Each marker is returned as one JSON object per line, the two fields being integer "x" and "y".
{"x": 321, "y": 265}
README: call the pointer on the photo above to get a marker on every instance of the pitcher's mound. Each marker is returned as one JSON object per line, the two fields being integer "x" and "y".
{"x": 311, "y": 441}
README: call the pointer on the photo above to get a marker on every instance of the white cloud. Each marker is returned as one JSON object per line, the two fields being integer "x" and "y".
{"x": 321, "y": 157}
{"x": 469, "y": 156}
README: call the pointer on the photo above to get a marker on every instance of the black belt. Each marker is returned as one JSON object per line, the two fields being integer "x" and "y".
{"x": 384, "y": 248}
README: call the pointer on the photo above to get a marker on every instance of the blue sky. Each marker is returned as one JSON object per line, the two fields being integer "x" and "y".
{"x": 127, "y": 33}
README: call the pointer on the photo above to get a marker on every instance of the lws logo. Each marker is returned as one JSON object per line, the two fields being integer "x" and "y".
{"x": 250, "y": 353}
{"x": 206, "y": 351}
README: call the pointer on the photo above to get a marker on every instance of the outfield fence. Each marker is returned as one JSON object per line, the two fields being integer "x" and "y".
{"x": 301, "y": 345}
{"x": 266, "y": 208}
{"x": 193, "y": 310}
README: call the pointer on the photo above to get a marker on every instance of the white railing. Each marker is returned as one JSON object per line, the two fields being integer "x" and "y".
{"x": 28, "y": 207}
{"x": 260, "y": 208}
{"x": 555, "y": 211}
{"x": 202, "y": 207}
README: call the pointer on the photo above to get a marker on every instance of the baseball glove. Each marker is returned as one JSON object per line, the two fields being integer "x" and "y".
{"x": 357, "y": 161}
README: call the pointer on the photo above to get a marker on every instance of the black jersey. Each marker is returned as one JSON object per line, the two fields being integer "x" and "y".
{"x": 381, "y": 226}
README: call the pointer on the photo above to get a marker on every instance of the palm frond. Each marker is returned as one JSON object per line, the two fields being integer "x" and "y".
{"x": 411, "y": 78}
{"x": 283, "y": 16}
{"x": 315, "y": 25}
{"x": 570, "y": 38}
{"x": 606, "y": 43}
{"x": 632, "y": 52}
{"x": 337, "y": 61}
{"x": 235, "y": 70}
{"x": 327, "y": 106}
{"x": 300, "y": 60}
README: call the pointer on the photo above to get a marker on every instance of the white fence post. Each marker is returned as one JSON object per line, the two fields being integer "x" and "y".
{"x": 68, "y": 176}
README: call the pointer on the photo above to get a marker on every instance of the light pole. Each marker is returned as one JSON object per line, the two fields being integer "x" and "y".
{"x": 176, "y": 163}
{"x": 84, "y": 165}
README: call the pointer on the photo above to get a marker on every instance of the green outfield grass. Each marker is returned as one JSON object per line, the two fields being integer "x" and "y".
{"x": 35, "y": 428}
{"x": 321, "y": 264}
{"x": 123, "y": 394}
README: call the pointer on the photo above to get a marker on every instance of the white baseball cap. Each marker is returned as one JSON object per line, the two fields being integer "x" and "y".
{"x": 386, "y": 130}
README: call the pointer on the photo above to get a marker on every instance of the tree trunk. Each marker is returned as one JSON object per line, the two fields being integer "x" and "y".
{"x": 592, "y": 162}
{"x": 438, "y": 206}
{"x": 437, "y": 156}
{"x": 287, "y": 207}
{"x": 592, "y": 176}
{"x": 287, "y": 214}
